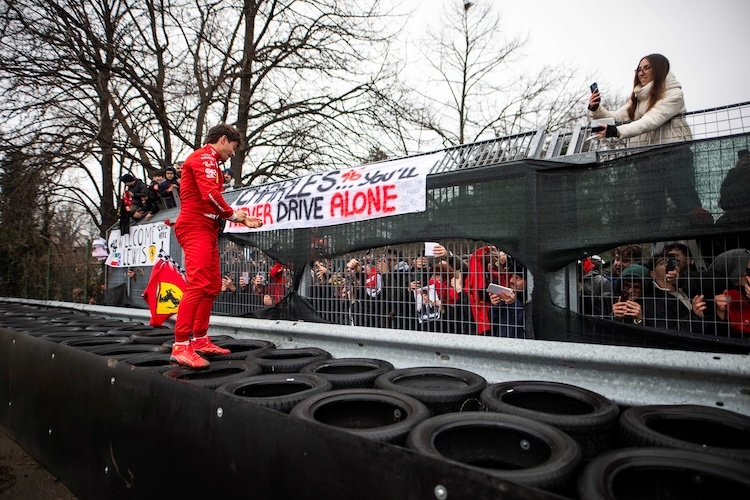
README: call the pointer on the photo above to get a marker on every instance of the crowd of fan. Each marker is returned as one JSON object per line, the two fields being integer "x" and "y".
{"x": 439, "y": 292}
{"x": 451, "y": 293}
{"x": 668, "y": 290}
{"x": 142, "y": 201}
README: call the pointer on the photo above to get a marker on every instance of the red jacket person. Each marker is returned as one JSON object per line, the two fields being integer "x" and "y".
{"x": 197, "y": 229}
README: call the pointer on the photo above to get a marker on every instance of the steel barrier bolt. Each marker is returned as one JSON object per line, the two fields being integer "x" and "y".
{"x": 440, "y": 492}
{"x": 525, "y": 445}
{"x": 219, "y": 412}
{"x": 112, "y": 381}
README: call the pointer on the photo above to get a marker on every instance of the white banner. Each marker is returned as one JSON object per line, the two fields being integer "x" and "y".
{"x": 355, "y": 194}
{"x": 140, "y": 247}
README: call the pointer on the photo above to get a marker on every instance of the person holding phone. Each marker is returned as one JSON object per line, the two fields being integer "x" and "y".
{"x": 627, "y": 305}
{"x": 668, "y": 306}
{"x": 654, "y": 114}
{"x": 508, "y": 311}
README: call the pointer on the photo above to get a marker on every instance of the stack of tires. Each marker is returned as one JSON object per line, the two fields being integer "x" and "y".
{"x": 547, "y": 435}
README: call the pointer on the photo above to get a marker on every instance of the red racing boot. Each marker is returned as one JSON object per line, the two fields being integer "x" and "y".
{"x": 185, "y": 355}
{"x": 204, "y": 345}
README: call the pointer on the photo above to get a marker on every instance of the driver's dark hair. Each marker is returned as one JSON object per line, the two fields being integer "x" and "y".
{"x": 222, "y": 129}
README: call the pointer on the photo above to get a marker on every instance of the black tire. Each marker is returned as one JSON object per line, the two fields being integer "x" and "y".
{"x": 61, "y": 337}
{"x": 122, "y": 351}
{"x": 241, "y": 348}
{"x": 218, "y": 373}
{"x": 588, "y": 417}
{"x": 127, "y": 329}
{"x": 107, "y": 326}
{"x": 643, "y": 473}
{"x": 279, "y": 391}
{"x": 349, "y": 373}
{"x": 383, "y": 416}
{"x": 157, "y": 336}
{"x": 442, "y": 389}
{"x": 158, "y": 362}
{"x": 287, "y": 360}
{"x": 512, "y": 448}
{"x": 47, "y": 329}
{"x": 214, "y": 339}
{"x": 94, "y": 342}
{"x": 687, "y": 427}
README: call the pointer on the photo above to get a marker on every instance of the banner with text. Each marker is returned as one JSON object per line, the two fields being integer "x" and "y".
{"x": 139, "y": 247}
{"x": 326, "y": 199}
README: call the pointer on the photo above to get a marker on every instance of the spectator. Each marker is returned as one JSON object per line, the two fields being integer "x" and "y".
{"x": 394, "y": 298}
{"x": 169, "y": 187}
{"x": 154, "y": 186}
{"x": 732, "y": 306}
{"x": 596, "y": 290}
{"x": 633, "y": 284}
{"x": 655, "y": 112}
{"x": 228, "y": 179}
{"x": 507, "y": 313}
{"x": 734, "y": 193}
{"x": 667, "y": 306}
{"x": 483, "y": 270}
{"x": 227, "y": 284}
{"x": 625, "y": 255}
{"x": 143, "y": 207}
{"x": 134, "y": 185}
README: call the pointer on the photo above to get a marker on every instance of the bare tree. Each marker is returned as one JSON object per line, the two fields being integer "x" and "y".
{"x": 476, "y": 93}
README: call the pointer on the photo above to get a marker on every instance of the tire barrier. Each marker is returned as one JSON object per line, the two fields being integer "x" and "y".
{"x": 640, "y": 473}
{"x": 88, "y": 344}
{"x": 214, "y": 339}
{"x": 278, "y": 391}
{"x": 51, "y": 330}
{"x": 155, "y": 336}
{"x": 287, "y": 360}
{"x": 379, "y": 415}
{"x": 125, "y": 350}
{"x": 676, "y": 451}
{"x": 158, "y": 362}
{"x": 513, "y": 448}
{"x": 349, "y": 373}
{"x": 588, "y": 417}
{"x": 241, "y": 348}
{"x": 442, "y": 389}
{"x": 61, "y": 337}
{"x": 218, "y": 373}
{"x": 687, "y": 427}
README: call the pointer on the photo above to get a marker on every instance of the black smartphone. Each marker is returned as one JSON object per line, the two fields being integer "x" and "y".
{"x": 598, "y": 128}
{"x": 671, "y": 264}
{"x": 624, "y": 296}
{"x": 594, "y": 87}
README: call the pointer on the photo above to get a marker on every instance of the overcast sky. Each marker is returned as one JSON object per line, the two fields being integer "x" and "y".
{"x": 706, "y": 42}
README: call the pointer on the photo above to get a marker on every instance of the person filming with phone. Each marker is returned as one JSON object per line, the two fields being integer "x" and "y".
{"x": 654, "y": 114}
{"x": 627, "y": 306}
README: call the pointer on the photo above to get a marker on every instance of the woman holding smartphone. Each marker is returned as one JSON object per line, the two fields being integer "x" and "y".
{"x": 654, "y": 114}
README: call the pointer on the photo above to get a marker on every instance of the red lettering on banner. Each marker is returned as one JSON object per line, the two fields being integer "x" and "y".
{"x": 371, "y": 200}
{"x": 262, "y": 212}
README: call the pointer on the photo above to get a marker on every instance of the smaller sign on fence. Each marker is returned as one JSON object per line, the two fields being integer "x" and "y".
{"x": 139, "y": 247}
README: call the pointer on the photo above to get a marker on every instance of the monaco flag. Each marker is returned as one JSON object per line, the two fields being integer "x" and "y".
{"x": 164, "y": 290}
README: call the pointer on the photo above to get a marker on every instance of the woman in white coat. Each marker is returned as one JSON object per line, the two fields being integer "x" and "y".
{"x": 654, "y": 114}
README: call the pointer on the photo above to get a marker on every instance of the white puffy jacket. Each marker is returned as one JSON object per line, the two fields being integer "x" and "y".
{"x": 662, "y": 124}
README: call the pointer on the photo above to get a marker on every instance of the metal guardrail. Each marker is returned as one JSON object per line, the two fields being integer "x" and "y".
{"x": 704, "y": 124}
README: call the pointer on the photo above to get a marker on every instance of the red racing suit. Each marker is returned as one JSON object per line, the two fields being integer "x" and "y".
{"x": 197, "y": 231}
